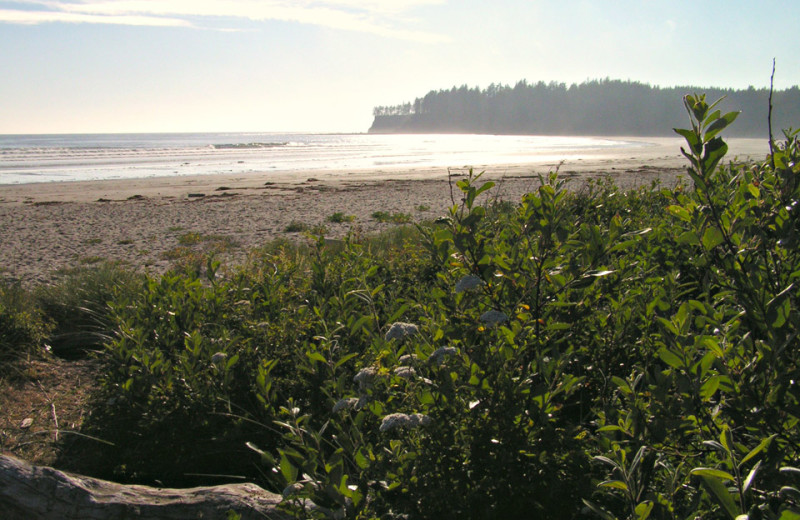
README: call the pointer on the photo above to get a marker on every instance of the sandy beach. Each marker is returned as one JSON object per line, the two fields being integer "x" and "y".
{"x": 48, "y": 227}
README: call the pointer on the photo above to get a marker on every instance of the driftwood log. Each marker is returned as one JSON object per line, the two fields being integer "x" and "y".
{"x": 28, "y": 491}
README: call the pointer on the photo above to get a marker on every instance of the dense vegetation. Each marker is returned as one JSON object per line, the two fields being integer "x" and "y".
{"x": 599, "y": 107}
{"x": 581, "y": 354}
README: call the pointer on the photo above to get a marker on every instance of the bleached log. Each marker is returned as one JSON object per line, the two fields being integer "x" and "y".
{"x": 28, "y": 491}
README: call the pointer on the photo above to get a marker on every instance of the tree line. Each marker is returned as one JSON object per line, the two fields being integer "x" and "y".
{"x": 596, "y": 107}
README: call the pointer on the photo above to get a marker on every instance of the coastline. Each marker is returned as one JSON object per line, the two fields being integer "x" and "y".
{"x": 48, "y": 227}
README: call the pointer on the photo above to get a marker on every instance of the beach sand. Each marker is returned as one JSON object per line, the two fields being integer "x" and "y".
{"x": 49, "y": 227}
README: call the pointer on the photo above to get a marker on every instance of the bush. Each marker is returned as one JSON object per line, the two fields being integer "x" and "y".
{"x": 23, "y": 326}
{"x": 579, "y": 354}
{"x": 79, "y": 305}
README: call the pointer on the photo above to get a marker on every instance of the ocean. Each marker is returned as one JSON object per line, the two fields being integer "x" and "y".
{"x": 77, "y": 157}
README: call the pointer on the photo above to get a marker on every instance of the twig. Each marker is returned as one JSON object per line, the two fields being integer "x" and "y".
{"x": 769, "y": 115}
{"x": 450, "y": 184}
{"x": 55, "y": 420}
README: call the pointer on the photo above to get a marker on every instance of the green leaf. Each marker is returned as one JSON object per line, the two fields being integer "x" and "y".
{"x": 710, "y": 387}
{"x": 691, "y": 139}
{"x": 719, "y": 125}
{"x": 361, "y": 460}
{"x": 714, "y": 151}
{"x": 713, "y": 473}
{"x": 606, "y": 460}
{"x": 779, "y": 308}
{"x": 789, "y": 515}
{"x": 758, "y": 449}
{"x": 643, "y": 509}
{"x": 288, "y": 470}
{"x": 680, "y": 212}
{"x": 622, "y": 385}
{"x": 614, "y": 484}
{"x": 789, "y": 492}
{"x": 599, "y": 511}
{"x": 750, "y": 477}
{"x": 344, "y": 360}
{"x": 721, "y": 494}
{"x": 668, "y": 357}
{"x": 486, "y": 186}
{"x": 316, "y": 356}
{"x": 712, "y": 238}
{"x": 688, "y": 238}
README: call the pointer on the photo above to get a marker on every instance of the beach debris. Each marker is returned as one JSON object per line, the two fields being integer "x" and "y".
{"x": 26, "y": 423}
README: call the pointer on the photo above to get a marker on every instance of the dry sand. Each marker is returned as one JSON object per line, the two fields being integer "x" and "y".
{"x": 49, "y": 227}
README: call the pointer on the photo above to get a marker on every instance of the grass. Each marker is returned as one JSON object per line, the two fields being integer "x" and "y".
{"x": 395, "y": 218}
{"x": 339, "y": 218}
{"x": 90, "y": 260}
{"x": 296, "y": 226}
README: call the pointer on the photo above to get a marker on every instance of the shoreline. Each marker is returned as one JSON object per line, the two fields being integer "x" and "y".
{"x": 51, "y": 227}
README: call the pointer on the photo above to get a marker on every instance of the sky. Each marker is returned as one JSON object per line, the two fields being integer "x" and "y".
{"x": 102, "y": 66}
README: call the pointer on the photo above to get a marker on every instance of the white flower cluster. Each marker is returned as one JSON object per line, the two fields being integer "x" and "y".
{"x": 401, "y": 420}
{"x": 364, "y": 377}
{"x": 440, "y": 353}
{"x": 407, "y": 359}
{"x": 401, "y": 331}
{"x": 405, "y": 372}
{"x": 346, "y": 404}
{"x": 468, "y": 283}
{"x": 493, "y": 317}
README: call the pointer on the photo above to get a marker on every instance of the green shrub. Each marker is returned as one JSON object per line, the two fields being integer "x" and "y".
{"x": 23, "y": 326}
{"x": 596, "y": 353}
{"x": 396, "y": 218}
{"x": 340, "y": 217}
{"x": 296, "y": 226}
{"x": 79, "y": 305}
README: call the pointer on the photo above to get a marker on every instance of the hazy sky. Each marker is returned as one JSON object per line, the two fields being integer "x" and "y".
{"x": 322, "y": 65}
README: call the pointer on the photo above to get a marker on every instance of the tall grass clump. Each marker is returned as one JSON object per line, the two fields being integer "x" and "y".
{"x": 79, "y": 304}
{"x": 24, "y": 328}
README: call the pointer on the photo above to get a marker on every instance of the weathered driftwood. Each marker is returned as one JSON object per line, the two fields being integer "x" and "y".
{"x": 28, "y": 491}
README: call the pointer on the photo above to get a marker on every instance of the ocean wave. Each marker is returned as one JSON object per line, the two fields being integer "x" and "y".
{"x": 240, "y": 146}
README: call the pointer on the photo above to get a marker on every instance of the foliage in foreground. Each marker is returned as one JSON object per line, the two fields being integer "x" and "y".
{"x": 590, "y": 354}
{"x": 66, "y": 317}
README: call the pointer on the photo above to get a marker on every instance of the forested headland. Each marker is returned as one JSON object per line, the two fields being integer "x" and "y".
{"x": 597, "y": 107}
